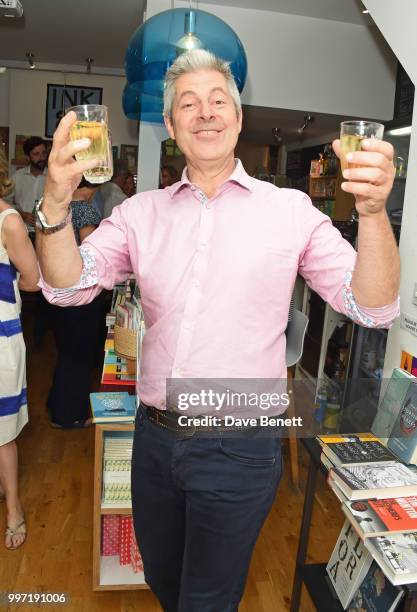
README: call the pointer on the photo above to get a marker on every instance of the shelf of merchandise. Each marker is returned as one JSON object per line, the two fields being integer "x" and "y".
{"x": 108, "y": 574}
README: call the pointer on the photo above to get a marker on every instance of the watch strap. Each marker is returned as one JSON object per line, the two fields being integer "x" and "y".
{"x": 42, "y": 222}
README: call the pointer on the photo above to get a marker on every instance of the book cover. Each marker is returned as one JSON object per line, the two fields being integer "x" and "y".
{"x": 348, "y": 564}
{"x": 376, "y": 593}
{"x": 110, "y": 535}
{"x": 111, "y": 406}
{"x": 391, "y": 402}
{"x": 352, "y": 450}
{"x": 125, "y": 540}
{"x": 381, "y": 517}
{"x": 398, "y": 514}
{"x": 396, "y": 554}
{"x": 403, "y": 438}
{"x": 380, "y": 480}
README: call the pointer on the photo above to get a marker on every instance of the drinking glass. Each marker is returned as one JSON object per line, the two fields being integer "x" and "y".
{"x": 351, "y": 135}
{"x": 92, "y": 123}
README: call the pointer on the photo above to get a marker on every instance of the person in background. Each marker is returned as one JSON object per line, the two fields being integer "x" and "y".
{"x": 112, "y": 192}
{"x": 214, "y": 309}
{"x": 169, "y": 176}
{"x": 76, "y": 331}
{"x": 18, "y": 269}
{"x": 89, "y": 192}
{"x": 29, "y": 181}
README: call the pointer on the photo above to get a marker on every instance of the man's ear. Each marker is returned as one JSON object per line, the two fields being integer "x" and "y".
{"x": 239, "y": 119}
{"x": 169, "y": 126}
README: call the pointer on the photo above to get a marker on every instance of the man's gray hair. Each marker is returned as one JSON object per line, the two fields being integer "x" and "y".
{"x": 192, "y": 61}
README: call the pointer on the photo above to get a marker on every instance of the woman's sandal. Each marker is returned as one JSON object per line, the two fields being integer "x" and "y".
{"x": 20, "y": 529}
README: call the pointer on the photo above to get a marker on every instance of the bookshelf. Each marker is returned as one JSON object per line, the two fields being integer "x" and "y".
{"x": 313, "y": 575}
{"x": 108, "y": 574}
{"x": 326, "y": 189}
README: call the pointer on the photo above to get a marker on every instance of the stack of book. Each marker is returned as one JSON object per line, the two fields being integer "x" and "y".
{"x": 117, "y": 459}
{"x": 113, "y": 407}
{"x": 118, "y": 539}
{"x": 115, "y": 369}
{"x": 378, "y": 498}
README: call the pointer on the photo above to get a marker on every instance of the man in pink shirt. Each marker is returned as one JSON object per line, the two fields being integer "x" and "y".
{"x": 216, "y": 256}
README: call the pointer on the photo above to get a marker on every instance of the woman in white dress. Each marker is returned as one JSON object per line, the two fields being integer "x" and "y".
{"x": 18, "y": 269}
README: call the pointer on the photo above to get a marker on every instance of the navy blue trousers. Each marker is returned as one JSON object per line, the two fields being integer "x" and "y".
{"x": 198, "y": 506}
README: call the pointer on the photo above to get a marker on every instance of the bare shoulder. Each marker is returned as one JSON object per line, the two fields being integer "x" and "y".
{"x": 13, "y": 227}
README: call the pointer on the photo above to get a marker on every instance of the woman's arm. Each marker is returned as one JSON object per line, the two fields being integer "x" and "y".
{"x": 21, "y": 252}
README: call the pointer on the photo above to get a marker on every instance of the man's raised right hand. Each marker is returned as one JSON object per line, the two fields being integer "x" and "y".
{"x": 64, "y": 172}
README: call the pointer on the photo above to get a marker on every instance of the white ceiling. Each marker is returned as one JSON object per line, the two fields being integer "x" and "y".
{"x": 66, "y": 32}
{"x": 348, "y": 11}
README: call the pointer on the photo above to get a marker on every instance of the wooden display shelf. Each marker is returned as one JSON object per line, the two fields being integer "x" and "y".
{"x": 108, "y": 574}
{"x": 114, "y": 576}
{"x": 115, "y": 510}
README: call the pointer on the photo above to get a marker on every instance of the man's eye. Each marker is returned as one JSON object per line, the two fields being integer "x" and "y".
{"x": 188, "y": 105}
{"x": 219, "y": 102}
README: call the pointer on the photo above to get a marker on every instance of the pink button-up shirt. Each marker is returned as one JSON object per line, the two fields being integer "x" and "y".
{"x": 216, "y": 276}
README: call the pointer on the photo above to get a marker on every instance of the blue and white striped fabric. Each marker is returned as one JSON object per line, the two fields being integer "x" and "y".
{"x": 13, "y": 398}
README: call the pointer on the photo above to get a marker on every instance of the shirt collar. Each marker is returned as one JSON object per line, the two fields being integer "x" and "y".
{"x": 26, "y": 170}
{"x": 239, "y": 176}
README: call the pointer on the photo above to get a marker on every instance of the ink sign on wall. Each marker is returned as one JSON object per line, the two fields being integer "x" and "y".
{"x": 61, "y": 97}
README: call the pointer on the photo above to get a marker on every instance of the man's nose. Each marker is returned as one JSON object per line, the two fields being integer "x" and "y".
{"x": 206, "y": 111}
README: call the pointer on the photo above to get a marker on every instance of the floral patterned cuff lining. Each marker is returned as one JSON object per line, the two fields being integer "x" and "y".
{"x": 89, "y": 276}
{"x": 384, "y": 315}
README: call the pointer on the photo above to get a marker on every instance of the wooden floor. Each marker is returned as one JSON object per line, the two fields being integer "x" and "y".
{"x": 56, "y": 482}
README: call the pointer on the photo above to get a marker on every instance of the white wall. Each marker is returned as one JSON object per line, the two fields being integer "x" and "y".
{"x": 302, "y": 63}
{"x": 397, "y": 22}
{"x": 27, "y": 103}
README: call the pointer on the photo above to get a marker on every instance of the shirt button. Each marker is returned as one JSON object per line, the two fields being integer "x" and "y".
{"x": 196, "y": 283}
{"x": 188, "y": 326}
{"x": 203, "y": 243}
{"x": 179, "y": 371}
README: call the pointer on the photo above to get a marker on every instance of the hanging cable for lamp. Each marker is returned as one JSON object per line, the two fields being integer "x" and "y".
{"x": 189, "y": 41}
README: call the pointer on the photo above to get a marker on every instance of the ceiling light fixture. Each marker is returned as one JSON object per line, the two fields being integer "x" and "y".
{"x": 31, "y": 60}
{"x": 307, "y": 119}
{"x": 276, "y": 131}
{"x": 189, "y": 41}
{"x": 365, "y": 12}
{"x": 89, "y": 61}
{"x": 403, "y": 131}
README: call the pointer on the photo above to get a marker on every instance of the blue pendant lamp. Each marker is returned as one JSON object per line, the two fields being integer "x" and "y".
{"x": 157, "y": 43}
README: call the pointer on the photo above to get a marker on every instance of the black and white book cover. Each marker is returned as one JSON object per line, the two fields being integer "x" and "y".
{"x": 348, "y": 565}
{"x": 396, "y": 554}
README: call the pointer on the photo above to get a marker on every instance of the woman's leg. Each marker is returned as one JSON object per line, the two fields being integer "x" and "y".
{"x": 9, "y": 483}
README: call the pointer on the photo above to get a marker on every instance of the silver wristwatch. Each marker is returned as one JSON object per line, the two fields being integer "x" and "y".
{"x": 42, "y": 222}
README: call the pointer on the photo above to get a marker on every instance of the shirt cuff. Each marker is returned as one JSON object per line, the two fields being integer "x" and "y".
{"x": 383, "y": 316}
{"x": 88, "y": 278}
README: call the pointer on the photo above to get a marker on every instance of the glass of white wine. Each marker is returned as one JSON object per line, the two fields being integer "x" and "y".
{"x": 92, "y": 123}
{"x": 351, "y": 135}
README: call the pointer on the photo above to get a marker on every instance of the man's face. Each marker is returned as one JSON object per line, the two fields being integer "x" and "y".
{"x": 204, "y": 120}
{"x": 37, "y": 157}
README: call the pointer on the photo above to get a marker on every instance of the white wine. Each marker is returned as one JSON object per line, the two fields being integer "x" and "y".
{"x": 99, "y": 149}
{"x": 348, "y": 144}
